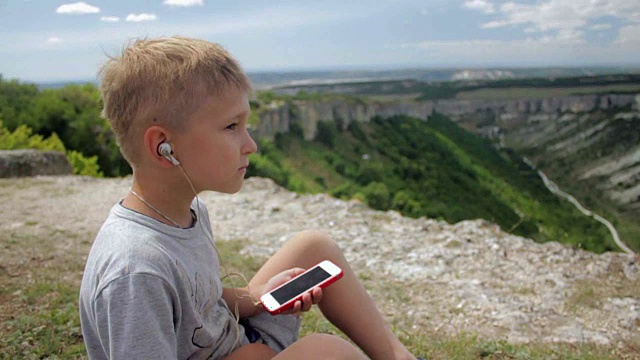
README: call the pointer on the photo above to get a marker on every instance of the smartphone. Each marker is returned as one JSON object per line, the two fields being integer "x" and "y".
{"x": 284, "y": 296}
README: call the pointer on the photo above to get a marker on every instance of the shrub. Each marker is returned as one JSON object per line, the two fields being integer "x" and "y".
{"x": 406, "y": 204}
{"x": 377, "y": 196}
{"x": 355, "y": 130}
{"x": 296, "y": 129}
{"x": 23, "y": 138}
{"x": 326, "y": 133}
{"x": 264, "y": 166}
{"x": 87, "y": 166}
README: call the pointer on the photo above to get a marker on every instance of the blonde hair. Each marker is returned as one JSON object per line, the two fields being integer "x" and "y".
{"x": 163, "y": 81}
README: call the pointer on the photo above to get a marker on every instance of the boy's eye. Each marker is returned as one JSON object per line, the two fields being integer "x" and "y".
{"x": 232, "y": 126}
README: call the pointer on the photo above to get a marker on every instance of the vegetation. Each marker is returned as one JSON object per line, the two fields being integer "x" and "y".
{"x": 71, "y": 114}
{"x": 433, "y": 169}
{"x": 535, "y": 92}
{"x": 23, "y": 138}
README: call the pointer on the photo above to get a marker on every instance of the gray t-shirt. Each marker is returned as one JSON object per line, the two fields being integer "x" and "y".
{"x": 153, "y": 291}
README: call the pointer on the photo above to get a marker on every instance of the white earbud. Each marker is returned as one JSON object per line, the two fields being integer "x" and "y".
{"x": 164, "y": 149}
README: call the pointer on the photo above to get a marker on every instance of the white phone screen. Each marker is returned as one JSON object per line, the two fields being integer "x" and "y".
{"x": 301, "y": 284}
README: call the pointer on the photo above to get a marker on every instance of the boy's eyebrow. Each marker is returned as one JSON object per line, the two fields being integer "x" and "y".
{"x": 242, "y": 114}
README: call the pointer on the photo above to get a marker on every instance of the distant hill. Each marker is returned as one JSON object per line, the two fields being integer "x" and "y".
{"x": 475, "y": 84}
{"x": 263, "y": 80}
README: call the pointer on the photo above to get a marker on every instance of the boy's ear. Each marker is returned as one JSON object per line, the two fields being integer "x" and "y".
{"x": 153, "y": 137}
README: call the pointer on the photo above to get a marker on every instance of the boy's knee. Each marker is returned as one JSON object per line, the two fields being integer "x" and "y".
{"x": 327, "y": 346}
{"x": 317, "y": 242}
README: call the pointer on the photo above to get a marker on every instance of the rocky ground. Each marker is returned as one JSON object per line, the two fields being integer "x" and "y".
{"x": 426, "y": 275}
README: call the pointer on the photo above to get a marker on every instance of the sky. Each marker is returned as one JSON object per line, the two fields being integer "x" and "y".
{"x": 48, "y": 40}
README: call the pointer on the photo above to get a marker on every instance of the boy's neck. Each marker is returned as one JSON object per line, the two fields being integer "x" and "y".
{"x": 174, "y": 202}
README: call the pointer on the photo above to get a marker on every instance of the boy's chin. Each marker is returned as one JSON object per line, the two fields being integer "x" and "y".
{"x": 229, "y": 189}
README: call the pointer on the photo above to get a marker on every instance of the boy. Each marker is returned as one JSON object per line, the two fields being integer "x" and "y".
{"x": 151, "y": 287}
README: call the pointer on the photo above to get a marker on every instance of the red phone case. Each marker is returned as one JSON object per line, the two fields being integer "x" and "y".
{"x": 289, "y": 304}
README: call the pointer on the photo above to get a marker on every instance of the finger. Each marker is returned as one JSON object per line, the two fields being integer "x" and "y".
{"x": 296, "y": 271}
{"x": 316, "y": 294}
{"x": 306, "y": 302}
{"x": 297, "y": 306}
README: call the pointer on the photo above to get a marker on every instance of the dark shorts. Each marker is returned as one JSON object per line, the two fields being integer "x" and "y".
{"x": 277, "y": 332}
{"x": 252, "y": 334}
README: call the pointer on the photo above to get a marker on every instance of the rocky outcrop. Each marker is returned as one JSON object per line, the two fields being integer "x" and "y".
{"x": 28, "y": 162}
{"x": 427, "y": 276}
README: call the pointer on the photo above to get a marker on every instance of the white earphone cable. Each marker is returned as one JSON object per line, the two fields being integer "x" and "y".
{"x": 227, "y": 275}
{"x": 165, "y": 150}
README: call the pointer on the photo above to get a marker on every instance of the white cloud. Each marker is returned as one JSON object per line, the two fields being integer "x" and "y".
{"x": 141, "y": 17}
{"x": 183, "y": 3}
{"x": 77, "y": 8}
{"x": 630, "y": 35}
{"x": 563, "y": 19}
{"x": 110, "y": 19}
{"x": 215, "y": 28}
{"x": 481, "y": 5}
{"x": 598, "y": 27}
{"x": 53, "y": 40}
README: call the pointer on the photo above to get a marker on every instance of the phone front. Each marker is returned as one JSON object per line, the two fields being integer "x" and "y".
{"x": 283, "y": 297}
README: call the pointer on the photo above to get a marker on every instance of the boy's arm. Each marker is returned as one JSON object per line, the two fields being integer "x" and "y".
{"x": 134, "y": 318}
{"x": 247, "y": 306}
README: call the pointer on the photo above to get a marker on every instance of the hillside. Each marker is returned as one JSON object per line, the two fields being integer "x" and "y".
{"x": 592, "y": 153}
{"x": 524, "y": 122}
{"x": 427, "y": 168}
{"x": 431, "y": 279}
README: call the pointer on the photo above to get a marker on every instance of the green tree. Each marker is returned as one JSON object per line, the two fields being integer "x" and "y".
{"x": 24, "y": 138}
{"x": 326, "y": 133}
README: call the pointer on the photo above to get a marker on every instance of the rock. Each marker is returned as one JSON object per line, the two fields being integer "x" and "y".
{"x": 29, "y": 162}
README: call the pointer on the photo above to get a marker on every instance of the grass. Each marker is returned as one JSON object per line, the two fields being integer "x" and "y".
{"x": 542, "y": 92}
{"x": 39, "y": 311}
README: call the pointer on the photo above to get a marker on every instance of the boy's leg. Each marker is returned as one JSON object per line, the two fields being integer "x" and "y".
{"x": 346, "y": 303}
{"x": 321, "y": 347}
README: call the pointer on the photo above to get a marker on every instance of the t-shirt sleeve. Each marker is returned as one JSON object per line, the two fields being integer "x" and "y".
{"x": 134, "y": 315}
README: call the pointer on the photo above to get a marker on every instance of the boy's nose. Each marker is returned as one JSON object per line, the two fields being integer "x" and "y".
{"x": 250, "y": 146}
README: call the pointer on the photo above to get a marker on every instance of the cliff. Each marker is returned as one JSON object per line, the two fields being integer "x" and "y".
{"x": 278, "y": 118}
{"x": 593, "y": 139}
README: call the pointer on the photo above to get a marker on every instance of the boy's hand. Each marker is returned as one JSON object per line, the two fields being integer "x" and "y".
{"x": 308, "y": 299}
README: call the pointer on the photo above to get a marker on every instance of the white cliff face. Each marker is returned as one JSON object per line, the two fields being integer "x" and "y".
{"x": 599, "y": 148}
{"x": 308, "y": 113}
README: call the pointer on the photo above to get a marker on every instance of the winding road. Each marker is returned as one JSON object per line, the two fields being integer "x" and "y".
{"x": 554, "y": 188}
